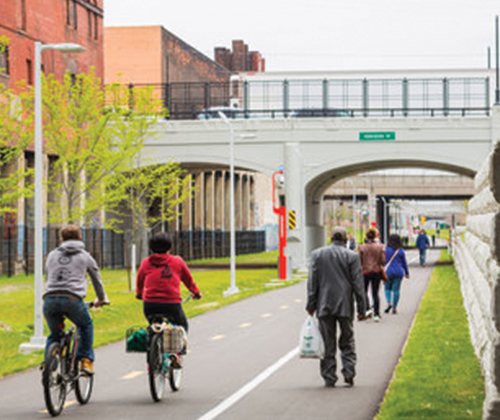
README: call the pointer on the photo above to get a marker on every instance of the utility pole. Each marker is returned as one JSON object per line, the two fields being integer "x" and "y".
{"x": 497, "y": 87}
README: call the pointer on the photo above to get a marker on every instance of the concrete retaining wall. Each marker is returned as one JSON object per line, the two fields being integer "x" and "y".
{"x": 478, "y": 264}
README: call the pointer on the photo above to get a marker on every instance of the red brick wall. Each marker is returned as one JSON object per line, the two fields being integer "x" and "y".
{"x": 46, "y": 21}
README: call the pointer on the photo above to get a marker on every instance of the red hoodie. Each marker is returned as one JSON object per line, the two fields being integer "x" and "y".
{"x": 159, "y": 279}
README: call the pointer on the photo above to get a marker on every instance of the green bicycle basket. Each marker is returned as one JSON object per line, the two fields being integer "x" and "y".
{"x": 137, "y": 340}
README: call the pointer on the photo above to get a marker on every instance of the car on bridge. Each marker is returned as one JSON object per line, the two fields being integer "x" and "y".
{"x": 212, "y": 113}
{"x": 319, "y": 113}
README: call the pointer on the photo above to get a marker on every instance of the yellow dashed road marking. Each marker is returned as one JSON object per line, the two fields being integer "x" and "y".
{"x": 133, "y": 374}
{"x": 284, "y": 307}
{"x": 66, "y": 404}
{"x": 266, "y": 315}
{"x": 298, "y": 300}
{"x": 245, "y": 325}
{"x": 217, "y": 337}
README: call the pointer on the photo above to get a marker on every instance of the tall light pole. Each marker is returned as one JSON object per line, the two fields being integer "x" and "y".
{"x": 37, "y": 342}
{"x": 232, "y": 234}
{"x": 497, "y": 59}
{"x": 354, "y": 211}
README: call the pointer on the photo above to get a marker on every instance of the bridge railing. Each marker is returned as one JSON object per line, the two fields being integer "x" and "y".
{"x": 324, "y": 98}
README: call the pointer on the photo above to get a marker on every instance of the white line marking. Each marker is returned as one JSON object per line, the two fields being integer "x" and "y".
{"x": 250, "y": 386}
{"x": 298, "y": 300}
{"x": 284, "y": 307}
{"x": 133, "y": 375}
{"x": 217, "y": 337}
{"x": 245, "y": 325}
{"x": 266, "y": 315}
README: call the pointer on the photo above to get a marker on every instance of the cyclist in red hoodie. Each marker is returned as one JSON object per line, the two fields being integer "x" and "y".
{"x": 159, "y": 279}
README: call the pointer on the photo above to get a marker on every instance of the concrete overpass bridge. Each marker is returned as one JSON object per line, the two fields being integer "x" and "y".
{"x": 317, "y": 152}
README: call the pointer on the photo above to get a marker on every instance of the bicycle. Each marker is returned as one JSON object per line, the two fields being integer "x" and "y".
{"x": 161, "y": 360}
{"x": 61, "y": 372}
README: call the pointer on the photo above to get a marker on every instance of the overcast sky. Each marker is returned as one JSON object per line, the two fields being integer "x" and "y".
{"x": 328, "y": 34}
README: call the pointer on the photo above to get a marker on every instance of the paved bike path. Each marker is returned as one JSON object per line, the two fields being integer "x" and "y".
{"x": 233, "y": 350}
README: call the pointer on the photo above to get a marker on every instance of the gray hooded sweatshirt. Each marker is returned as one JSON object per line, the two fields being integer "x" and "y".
{"x": 66, "y": 269}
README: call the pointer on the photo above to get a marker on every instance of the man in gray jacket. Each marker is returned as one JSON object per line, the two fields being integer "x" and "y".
{"x": 335, "y": 279}
{"x": 66, "y": 287}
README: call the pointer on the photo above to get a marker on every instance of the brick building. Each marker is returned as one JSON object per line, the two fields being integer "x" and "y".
{"x": 188, "y": 81}
{"x": 23, "y": 22}
{"x": 153, "y": 55}
{"x": 50, "y": 21}
{"x": 240, "y": 59}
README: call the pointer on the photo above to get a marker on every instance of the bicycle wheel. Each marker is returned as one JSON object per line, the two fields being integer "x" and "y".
{"x": 83, "y": 387}
{"x": 54, "y": 387}
{"x": 174, "y": 378}
{"x": 156, "y": 369}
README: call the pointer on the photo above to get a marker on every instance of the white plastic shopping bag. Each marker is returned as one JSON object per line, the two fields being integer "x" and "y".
{"x": 311, "y": 343}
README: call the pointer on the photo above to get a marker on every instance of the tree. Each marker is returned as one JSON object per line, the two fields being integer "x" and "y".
{"x": 16, "y": 133}
{"x": 93, "y": 134}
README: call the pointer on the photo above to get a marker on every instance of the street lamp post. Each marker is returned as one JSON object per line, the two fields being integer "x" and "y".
{"x": 37, "y": 342}
{"x": 354, "y": 211}
{"x": 232, "y": 238}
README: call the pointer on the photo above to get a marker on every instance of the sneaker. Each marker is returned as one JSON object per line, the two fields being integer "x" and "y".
{"x": 329, "y": 384}
{"x": 369, "y": 313}
{"x": 376, "y": 318}
{"x": 349, "y": 382}
{"x": 394, "y": 311}
{"x": 387, "y": 310}
{"x": 87, "y": 366}
{"x": 175, "y": 361}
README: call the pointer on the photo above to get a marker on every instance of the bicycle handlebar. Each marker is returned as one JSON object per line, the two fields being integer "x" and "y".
{"x": 92, "y": 304}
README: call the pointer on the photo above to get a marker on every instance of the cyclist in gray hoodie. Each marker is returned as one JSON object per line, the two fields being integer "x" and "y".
{"x": 66, "y": 287}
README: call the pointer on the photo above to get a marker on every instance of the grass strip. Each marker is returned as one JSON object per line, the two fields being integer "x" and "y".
{"x": 438, "y": 376}
{"x": 16, "y": 309}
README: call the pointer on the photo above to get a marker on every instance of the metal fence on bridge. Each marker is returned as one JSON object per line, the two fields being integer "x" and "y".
{"x": 353, "y": 97}
{"x": 110, "y": 249}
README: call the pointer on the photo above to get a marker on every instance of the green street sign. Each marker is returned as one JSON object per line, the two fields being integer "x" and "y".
{"x": 377, "y": 135}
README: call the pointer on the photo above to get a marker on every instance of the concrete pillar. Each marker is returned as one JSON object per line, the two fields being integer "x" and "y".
{"x": 227, "y": 202}
{"x": 294, "y": 193}
{"x": 237, "y": 201}
{"x": 252, "y": 208}
{"x": 186, "y": 214}
{"x": 209, "y": 188}
{"x": 245, "y": 203}
{"x": 199, "y": 198}
{"x": 219, "y": 200}
{"x": 315, "y": 228}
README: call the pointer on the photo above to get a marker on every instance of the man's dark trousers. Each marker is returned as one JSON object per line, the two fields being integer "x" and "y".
{"x": 328, "y": 365}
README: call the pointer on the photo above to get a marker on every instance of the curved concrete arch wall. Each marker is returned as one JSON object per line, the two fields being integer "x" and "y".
{"x": 316, "y": 187}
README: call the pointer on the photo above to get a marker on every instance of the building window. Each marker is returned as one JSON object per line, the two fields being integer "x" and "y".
{"x": 4, "y": 61}
{"x": 29, "y": 71}
{"x": 22, "y": 6}
{"x": 96, "y": 26}
{"x": 71, "y": 13}
{"x": 90, "y": 20}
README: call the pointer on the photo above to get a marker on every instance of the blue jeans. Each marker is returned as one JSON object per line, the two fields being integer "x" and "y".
{"x": 56, "y": 308}
{"x": 392, "y": 287}
{"x": 422, "y": 255}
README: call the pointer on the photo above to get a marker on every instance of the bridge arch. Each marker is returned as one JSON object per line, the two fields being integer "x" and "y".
{"x": 324, "y": 177}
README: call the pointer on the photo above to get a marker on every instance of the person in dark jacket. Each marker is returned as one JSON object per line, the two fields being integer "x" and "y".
{"x": 335, "y": 280}
{"x": 422, "y": 244}
{"x": 65, "y": 289}
{"x": 396, "y": 269}
{"x": 159, "y": 279}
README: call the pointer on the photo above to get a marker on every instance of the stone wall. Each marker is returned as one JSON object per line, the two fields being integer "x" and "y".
{"x": 478, "y": 264}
